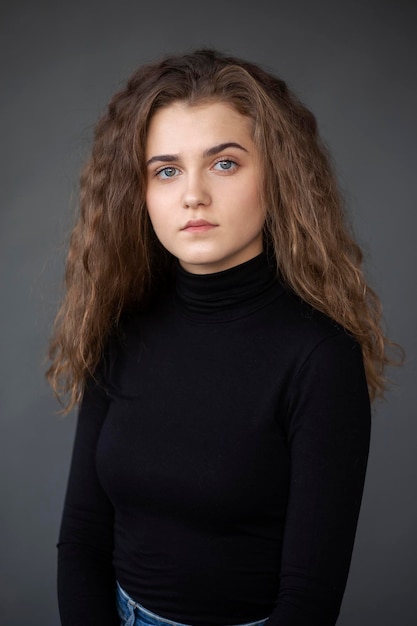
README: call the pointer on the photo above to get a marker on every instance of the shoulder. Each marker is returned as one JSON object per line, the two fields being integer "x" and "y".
{"x": 300, "y": 332}
{"x": 301, "y": 317}
{"x": 326, "y": 386}
{"x": 328, "y": 364}
{"x": 128, "y": 339}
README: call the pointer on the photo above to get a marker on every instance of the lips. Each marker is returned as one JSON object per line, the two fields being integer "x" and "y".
{"x": 196, "y": 226}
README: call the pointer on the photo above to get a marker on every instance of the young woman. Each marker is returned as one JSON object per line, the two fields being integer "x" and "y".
{"x": 223, "y": 344}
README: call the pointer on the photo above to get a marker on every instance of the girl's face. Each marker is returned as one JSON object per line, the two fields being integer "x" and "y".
{"x": 203, "y": 186}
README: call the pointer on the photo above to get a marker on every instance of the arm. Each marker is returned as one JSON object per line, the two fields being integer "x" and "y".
{"x": 328, "y": 432}
{"x": 86, "y": 582}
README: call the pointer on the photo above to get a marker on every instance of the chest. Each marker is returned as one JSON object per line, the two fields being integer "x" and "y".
{"x": 194, "y": 423}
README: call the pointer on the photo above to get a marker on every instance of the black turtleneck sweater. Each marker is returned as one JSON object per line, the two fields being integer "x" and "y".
{"x": 219, "y": 460}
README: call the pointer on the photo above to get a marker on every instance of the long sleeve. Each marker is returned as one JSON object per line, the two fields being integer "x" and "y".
{"x": 231, "y": 461}
{"x": 329, "y": 431}
{"x": 86, "y": 582}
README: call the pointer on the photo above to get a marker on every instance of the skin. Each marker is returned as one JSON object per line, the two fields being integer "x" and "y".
{"x": 203, "y": 186}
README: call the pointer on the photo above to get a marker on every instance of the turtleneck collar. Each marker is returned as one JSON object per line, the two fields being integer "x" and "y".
{"x": 229, "y": 294}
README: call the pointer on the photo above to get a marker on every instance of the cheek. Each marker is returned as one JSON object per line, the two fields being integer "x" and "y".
{"x": 155, "y": 205}
{"x": 249, "y": 204}
{"x": 150, "y": 200}
{"x": 159, "y": 225}
{"x": 159, "y": 215}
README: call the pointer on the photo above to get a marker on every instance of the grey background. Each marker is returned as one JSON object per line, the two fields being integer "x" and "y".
{"x": 354, "y": 64}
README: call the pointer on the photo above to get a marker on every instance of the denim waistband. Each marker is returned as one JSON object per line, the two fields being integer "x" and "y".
{"x": 134, "y": 614}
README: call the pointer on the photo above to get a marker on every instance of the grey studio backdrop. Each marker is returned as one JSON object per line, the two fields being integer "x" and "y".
{"x": 354, "y": 64}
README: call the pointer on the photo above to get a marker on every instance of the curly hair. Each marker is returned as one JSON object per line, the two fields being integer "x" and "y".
{"x": 115, "y": 260}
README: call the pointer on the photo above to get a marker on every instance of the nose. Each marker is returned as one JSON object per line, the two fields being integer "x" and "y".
{"x": 196, "y": 192}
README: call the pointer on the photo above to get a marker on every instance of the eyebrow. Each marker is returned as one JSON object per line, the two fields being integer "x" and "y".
{"x": 169, "y": 158}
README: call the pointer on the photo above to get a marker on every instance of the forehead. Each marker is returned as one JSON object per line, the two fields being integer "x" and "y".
{"x": 180, "y": 125}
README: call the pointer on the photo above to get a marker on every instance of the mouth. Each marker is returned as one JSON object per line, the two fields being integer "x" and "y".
{"x": 198, "y": 226}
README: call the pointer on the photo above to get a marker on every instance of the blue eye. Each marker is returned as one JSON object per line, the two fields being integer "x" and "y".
{"x": 225, "y": 165}
{"x": 167, "y": 172}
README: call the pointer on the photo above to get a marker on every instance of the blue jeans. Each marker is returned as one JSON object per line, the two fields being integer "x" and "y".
{"x": 132, "y": 613}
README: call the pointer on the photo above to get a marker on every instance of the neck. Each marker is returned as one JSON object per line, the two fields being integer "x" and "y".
{"x": 227, "y": 294}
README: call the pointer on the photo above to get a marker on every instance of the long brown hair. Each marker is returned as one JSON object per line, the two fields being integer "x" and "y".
{"x": 115, "y": 261}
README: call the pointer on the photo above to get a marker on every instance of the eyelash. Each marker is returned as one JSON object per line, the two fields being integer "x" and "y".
{"x": 232, "y": 161}
{"x": 164, "y": 169}
{"x": 171, "y": 167}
